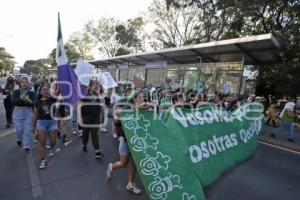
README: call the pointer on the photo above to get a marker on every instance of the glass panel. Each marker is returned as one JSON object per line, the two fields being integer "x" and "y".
{"x": 123, "y": 74}
{"x": 190, "y": 79}
{"x": 175, "y": 77}
{"x": 113, "y": 73}
{"x": 155, "y": 77}
{"x": 137, "y": 75}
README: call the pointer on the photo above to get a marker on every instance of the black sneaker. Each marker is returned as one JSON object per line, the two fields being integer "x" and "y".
{"x": 273, "y": 135}
{"x": 99, "y": 154}
{"x": 59, "y": 135}
{"x": 19, "y": 143}
{"x": 64, "y": 139}
{"x": 291, "y": 140}
{"x": 84, "y": 148}
{"x": 27, "y": 150}
{"x": 8, "y": 126}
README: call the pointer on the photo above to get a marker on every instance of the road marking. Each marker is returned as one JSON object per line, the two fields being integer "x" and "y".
{"x": 34, "y": 178}
{"x": 278, "y": 147}
{"x": 7, "y": 132}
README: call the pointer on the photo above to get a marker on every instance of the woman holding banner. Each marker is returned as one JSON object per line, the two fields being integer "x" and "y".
{"x": 137, "y": 100}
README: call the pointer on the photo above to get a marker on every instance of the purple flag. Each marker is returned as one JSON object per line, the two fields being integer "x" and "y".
{"x": 71, "y": 89}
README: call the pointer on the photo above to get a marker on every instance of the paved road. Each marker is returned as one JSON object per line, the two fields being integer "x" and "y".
{"x": 271, "y": 173}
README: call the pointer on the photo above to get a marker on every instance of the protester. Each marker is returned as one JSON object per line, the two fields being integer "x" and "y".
{"x": 287, "y": 115}
{"x": 8, "y": 105}
{"x": 23, "y": 100}
{"x": 271, "y": 114}
{"x": 44, "y": 123}
{"x": 124, "y": 153}
{"x": 91, "y": 118}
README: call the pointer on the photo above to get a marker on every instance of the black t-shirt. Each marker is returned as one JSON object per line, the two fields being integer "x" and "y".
{"x": 88, "y": 110}
{"x": 44, "y": 108}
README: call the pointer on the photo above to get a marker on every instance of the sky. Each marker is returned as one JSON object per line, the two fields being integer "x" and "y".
{"x": 29, "y": 27}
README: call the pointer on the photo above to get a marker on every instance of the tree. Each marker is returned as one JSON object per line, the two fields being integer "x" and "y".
{"x": 130, "y": 36}
{"x": 103, "y": 33}
{"x": 6, "y": 61}
{"x": 71, "y": 53}
{"x": 82, "y": 43}
{"x": 242, "y": 18}
{"x": 175, "y": 26}
{"x": 36, "y": 66}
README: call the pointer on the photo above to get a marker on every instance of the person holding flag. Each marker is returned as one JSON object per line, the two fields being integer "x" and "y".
{"x": 71, "y": 88}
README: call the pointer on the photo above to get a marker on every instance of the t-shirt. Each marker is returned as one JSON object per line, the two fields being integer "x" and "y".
{"x": 44, "y": 108}
{"x": 165, "y": 102}
{"x": 91, "y": 110}
{"x": 286, "y": 116}
{"x": 23, "y": 97}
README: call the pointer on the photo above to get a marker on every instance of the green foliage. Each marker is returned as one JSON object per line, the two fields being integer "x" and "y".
{"x": 176, "y": 26}
{"x": 6, "y": 61}
{"x": 82, "y": 43}
{"x": 71, "y": 53}
{"x": 226, "y": 19}
{"x": 103, "y": 32}
{"x": 39, "y": 66}
{"x": 129, "y": 35}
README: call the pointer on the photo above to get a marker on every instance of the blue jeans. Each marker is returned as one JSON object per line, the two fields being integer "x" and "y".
{"x": 287, "y": 124}
{"x": 46, "y": 125}
{"x": 22, "y": 118}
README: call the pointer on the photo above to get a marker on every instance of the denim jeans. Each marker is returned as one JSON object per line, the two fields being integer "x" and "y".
{"x": 22, "y": 118}
{"x": 287, "y": 124}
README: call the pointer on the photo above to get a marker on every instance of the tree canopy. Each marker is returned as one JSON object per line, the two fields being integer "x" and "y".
{"x": 226, "y": 19}
{"x": 6, "y": 61}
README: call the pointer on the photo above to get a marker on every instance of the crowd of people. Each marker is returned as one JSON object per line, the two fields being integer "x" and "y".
{"x": 33, "y": 106}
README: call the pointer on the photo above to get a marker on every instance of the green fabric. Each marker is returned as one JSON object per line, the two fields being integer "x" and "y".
{"x": 189, "y": 150}
{"x": 93, "y": 96}
{"x": 286, "y": 116}
{"x": 165, "y": 102}
{"x": 24, "y": 95}
{"x": 131, "y": 95}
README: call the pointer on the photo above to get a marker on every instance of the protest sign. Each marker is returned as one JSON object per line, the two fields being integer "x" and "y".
{"x": 189, "y": 149}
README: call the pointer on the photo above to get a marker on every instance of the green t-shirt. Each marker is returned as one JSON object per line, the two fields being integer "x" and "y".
{"x": 286, "y": 116}
{"x": 165, "y": 102}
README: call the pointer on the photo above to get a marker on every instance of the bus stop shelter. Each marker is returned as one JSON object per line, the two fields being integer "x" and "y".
{"x": 213, "y": 62}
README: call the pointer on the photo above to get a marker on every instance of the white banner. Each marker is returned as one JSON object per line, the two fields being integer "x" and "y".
{"x": 106, "y": 80}
{"x": 84, "y": 71}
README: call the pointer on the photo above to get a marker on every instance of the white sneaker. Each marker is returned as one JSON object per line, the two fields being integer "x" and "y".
{"x": 132, "y": 188}
{"x": 43, "y": 164}
{"x": 48, "y": 146}
{"x": 103, "y": 130}
{"x": 51, "y": 152}
{"x": 109, "y": 171}
{"x": 80, "y": 133}
{"x": 115, "y": 135}
{"x": 74, "y": 132}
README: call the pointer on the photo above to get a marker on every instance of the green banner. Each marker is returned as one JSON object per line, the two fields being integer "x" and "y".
{"x": 189, "y": 148}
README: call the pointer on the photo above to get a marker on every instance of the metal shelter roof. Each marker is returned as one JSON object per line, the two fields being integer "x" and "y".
{"x": 257, "y": 49}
